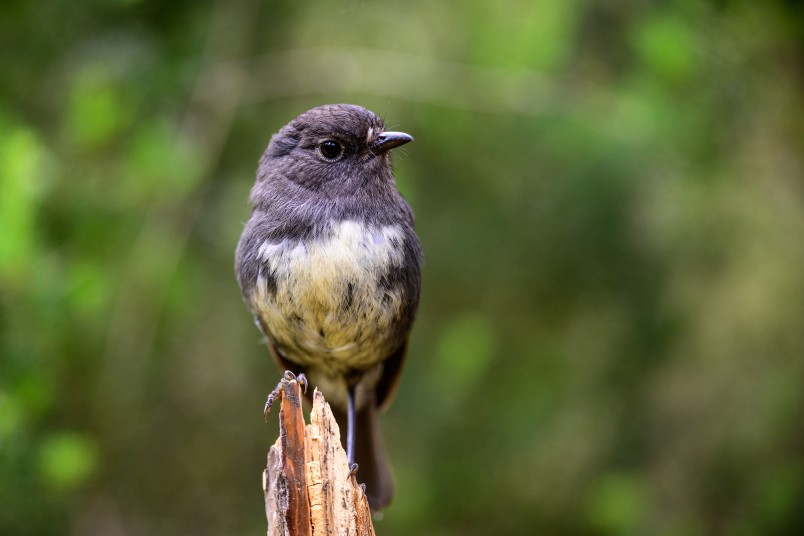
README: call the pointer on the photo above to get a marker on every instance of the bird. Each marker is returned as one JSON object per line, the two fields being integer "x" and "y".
{"x": 329, "y": 264}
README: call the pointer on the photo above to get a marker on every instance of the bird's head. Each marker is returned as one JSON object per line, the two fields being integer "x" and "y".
{"x": 336, "y": 147}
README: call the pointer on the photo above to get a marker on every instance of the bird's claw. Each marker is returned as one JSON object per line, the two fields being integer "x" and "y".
{"x": 287, "y": 377}
{"x": 353, "y": 469}
{"x": 302, "y": 381}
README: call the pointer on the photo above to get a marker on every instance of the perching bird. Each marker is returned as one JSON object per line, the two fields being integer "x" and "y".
{"x": 329, "y": 265}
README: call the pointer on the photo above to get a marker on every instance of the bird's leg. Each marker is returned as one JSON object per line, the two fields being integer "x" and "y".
{"x": 350, "y": 426}
{"x": 287, "y": 377}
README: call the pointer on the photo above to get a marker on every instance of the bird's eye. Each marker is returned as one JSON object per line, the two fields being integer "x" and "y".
{"x": 330, "y": 149}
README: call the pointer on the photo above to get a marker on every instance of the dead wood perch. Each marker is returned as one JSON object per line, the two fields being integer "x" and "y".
{"x": 308, "y": 487}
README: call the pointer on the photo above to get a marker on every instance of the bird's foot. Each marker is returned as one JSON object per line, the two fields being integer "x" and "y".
{"x": 287, "y": 377}
{"x": 353, "y": 469}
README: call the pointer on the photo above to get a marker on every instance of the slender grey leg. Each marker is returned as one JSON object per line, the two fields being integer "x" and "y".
{"x": 350, "y": 426}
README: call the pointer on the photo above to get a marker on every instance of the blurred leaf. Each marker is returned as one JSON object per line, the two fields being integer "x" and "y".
{"x": 667, "y": 47}
{"x": 779, "y": 499}
{"x": 616, "y": 505}
{"x": 88, "y": 285}
{"x": 538, "y": 35}
{"x": 159, "y": 163}
{"x": 11, "y": 416}
{"x": 66, "y": 461}
{"x": 23, "y": 179}
{"x": 97, "y": 112}
{"x": 464, "y": 352}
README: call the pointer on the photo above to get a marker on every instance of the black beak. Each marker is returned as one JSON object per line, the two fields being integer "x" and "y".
{"x": 388, "y": 140}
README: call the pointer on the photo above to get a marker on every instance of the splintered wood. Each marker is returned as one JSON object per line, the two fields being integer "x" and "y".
{"x": 308, "y": 487}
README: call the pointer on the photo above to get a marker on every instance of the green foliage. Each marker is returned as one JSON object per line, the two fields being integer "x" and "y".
{"x": 23, "y": 177}
{"x": 616, "y": 504}
{"x": 464, "y": 351}
{"x": 66, "y": 461}
{"x": 667, "y": 46}
{"x": 609, "y": 197}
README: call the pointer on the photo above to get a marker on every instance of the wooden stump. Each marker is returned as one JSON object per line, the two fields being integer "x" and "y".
{"x": 308, "y": 487}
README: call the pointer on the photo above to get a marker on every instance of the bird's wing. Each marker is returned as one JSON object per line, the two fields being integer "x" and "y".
{"x": 389, "y": 380}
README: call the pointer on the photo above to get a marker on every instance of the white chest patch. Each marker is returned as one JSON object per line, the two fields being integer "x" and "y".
{"x": 328, "y": 302}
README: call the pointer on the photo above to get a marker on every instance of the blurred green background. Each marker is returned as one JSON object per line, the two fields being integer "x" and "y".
{"x": 611, "y": 201}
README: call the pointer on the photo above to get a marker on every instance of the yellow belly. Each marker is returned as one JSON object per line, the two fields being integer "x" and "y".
{"x": 329, "y": 308}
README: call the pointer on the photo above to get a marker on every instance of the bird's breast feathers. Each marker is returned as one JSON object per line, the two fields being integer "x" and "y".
{"x": 329, "y": 297}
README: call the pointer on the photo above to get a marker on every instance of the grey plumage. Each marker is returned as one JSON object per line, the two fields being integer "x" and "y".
{"x": 329, "y": 264}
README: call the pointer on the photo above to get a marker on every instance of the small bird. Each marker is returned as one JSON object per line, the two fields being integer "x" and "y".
{"x": 329, "y": 264}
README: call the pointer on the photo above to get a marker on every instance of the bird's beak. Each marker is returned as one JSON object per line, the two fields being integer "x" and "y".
{"x": 388, "y": 140}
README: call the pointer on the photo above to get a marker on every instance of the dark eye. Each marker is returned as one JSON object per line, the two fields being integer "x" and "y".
{"x": 330, "y": 149}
